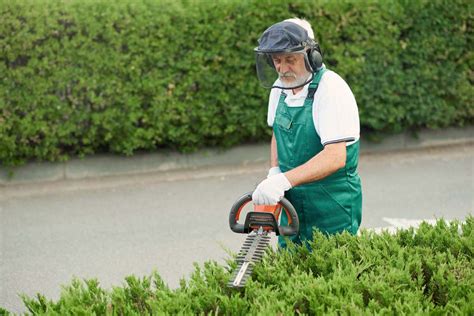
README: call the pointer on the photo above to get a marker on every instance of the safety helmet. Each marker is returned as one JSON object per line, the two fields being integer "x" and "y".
{"x": 280, "y": 38}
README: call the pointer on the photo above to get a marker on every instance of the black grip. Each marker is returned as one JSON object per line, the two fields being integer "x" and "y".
{"x": 294, "y": 227}
{"x": 291, "y": 229}
{"x": 234, "y": 216}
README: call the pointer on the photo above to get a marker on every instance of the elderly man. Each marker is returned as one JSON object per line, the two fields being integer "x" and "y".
{"x": 315, "y": 143}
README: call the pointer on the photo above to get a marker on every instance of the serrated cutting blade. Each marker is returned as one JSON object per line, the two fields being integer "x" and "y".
{"x": 251, "y": 252}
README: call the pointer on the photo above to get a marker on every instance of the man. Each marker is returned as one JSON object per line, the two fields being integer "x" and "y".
{"x": 315, "y": 143}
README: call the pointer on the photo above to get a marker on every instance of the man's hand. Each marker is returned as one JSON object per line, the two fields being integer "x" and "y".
{"x": 271, "y": 190}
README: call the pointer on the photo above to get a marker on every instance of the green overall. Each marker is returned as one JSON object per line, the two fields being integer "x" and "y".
{"x": 332, "y": 204}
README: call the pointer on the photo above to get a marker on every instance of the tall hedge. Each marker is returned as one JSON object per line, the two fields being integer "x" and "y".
{"x": 80, "y": 77}
{"x": 424, "y": 272}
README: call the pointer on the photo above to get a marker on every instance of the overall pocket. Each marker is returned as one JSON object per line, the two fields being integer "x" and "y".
{"x": 291, "y": 133}
{"x": 340, "y": 196}
{"x": 284, "y": 122}
{"x": 330, "y": 206}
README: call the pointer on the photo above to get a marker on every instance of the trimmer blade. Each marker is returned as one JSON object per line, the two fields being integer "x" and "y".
{"x": 252, "y": 251}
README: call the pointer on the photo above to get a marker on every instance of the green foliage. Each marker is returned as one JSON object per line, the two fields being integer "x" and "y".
{"x": 79, "y": 298}
{"x": 428, "y": 271}
{"x": 80, "y": 77}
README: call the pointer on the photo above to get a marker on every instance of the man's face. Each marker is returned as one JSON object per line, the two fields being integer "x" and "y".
{"x": 291, "y": 68}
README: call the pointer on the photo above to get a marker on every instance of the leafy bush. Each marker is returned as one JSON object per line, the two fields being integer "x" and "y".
{"x": 428, "y": 271}
{"x": 80, "y": 77}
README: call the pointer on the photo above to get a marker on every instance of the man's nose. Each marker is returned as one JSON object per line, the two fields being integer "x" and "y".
{"x": 283, "y": 67}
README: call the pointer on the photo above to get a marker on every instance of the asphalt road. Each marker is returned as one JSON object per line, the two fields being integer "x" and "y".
{"x": 113, "y": 227}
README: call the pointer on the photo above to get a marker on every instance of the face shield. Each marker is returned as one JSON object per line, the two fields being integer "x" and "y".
{"x": 281, "y": 56}
{"x": 284, "y": 70}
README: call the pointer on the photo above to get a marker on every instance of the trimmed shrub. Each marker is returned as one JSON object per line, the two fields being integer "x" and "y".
{"x": 428, "y": 271}
{"x": 80, "y": 77}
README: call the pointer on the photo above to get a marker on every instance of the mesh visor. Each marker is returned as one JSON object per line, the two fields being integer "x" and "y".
{"x": 266, "y": 72}
{"x": 270, "y": 78}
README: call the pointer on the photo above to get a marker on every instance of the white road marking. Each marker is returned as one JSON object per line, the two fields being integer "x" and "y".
{"x": 402, "y": 223}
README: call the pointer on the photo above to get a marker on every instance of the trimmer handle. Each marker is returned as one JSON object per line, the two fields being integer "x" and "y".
{"x": 293, "y": 221}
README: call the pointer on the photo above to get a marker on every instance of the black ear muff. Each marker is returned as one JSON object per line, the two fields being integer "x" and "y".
{"x": 315, "y": 57}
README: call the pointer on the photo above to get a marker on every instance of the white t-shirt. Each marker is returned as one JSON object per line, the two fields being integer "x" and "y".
{"x": 335, "y": 112}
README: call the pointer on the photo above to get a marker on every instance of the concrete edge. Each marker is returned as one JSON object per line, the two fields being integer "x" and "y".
{"x": 112, "y": 165}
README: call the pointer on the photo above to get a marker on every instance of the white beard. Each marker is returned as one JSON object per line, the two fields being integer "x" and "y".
{"x": 295, "y": 83}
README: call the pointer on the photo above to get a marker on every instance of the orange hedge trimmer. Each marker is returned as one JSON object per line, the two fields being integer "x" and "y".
{"x": 258, "y": 224}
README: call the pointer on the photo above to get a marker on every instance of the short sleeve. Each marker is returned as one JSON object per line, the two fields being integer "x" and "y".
{"x": 272, "y": 105}
{"x": 335, "y": 111}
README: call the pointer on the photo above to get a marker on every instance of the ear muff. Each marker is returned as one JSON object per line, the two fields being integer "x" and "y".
{"x": 315, "y": 57}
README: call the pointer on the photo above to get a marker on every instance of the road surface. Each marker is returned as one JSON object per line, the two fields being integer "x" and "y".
{"x": 112, "y": 227}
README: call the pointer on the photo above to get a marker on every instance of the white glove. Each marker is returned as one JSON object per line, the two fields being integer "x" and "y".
{"x": 271, "y": 190}
{"x": 273, "y": 171}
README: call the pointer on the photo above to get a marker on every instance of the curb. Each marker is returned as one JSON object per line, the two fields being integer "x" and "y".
{"x": 111, "y": 165}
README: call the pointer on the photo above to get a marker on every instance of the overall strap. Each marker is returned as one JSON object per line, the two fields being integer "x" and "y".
{"x": 282, "y": 97}
{"x": 313, "y": 86}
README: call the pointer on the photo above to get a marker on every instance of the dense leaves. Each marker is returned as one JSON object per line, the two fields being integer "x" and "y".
{"x": 428, "y": 271}
{"x": 80, "y": 77}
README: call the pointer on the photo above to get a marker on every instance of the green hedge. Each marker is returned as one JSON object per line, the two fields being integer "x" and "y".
{"x": 430, "y": 271}
{"x": 80, "y": 77}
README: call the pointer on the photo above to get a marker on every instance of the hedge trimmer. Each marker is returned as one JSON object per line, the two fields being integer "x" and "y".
{"x": 258, "y": 224}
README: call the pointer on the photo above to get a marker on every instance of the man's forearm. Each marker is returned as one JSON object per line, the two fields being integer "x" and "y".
{"x": 328, "y": 161}
{"x": 273, "y": 153}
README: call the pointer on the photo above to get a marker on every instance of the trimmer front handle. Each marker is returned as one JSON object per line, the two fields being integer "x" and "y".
{"x": 265, "y": 216}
